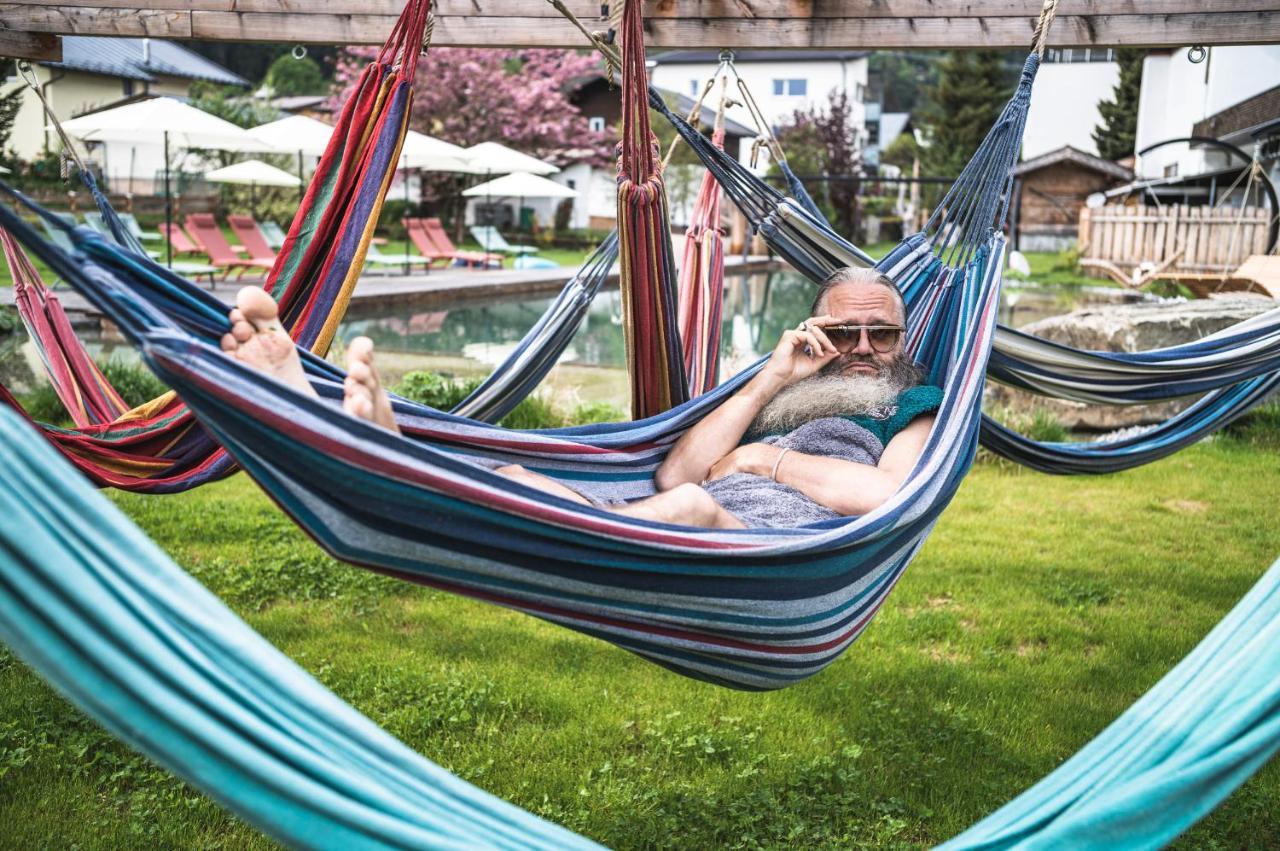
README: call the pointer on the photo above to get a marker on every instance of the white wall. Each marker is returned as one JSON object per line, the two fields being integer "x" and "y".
{"x": 1176, "y": 94}
{"x": 1064, "y": 109}
{"x": 821, "y": 78}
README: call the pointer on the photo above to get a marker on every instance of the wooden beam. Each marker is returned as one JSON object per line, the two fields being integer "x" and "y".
{"x": 1214, "y": 22}
{"x": 83, "y": 20}
{"x": 38, "y": 47}
{"x": 589, "y": 10}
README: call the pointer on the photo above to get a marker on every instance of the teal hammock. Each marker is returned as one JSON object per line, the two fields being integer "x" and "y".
{"x": 94, "y": 606}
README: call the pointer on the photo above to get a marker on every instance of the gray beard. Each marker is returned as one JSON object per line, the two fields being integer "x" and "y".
{"x": 830, "y": 393}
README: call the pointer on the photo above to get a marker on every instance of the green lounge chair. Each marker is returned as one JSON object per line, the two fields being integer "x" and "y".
{"x": 489, "y": 237}
{"x": 136, "y": 229}
{"x": 273, "y": 234}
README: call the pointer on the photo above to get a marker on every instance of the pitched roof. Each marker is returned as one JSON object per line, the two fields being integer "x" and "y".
{"x": 1068, "y": 154}
{"x": 682, "y": 57}
{"x": 1244, "y": 117}
{"x": 124, "y": 57}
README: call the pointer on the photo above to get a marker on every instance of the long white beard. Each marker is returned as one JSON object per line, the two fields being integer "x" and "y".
{"x": 826, "y": 395}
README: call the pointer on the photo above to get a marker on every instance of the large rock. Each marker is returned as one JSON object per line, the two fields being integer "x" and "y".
{"x": 1126, "y": 328}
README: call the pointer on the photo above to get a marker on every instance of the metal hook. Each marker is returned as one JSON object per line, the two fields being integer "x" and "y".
{"x": 1197, "y": 54}
{"x": 299, "y": 51}
{"x": 726, "y": 57}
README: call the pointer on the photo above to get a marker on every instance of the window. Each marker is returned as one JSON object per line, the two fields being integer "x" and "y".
{"x": 1171, "y": 170}
{"x": 694, "y": 88}
{"x": 596, "y": 123}
{"x": 796, "y": 88}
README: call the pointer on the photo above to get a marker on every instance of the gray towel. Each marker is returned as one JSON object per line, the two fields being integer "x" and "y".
{"x": 760, "y": 502}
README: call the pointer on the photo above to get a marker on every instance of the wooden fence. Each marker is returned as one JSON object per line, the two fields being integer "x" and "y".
{"x": 1201, "y": 240}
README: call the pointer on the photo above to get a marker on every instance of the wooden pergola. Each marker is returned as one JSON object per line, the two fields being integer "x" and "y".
{"x": 31, "y": 29}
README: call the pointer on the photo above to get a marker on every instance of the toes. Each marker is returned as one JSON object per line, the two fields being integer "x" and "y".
{"x": 229, "y": 343}
{"x": 258, "y": 308}
{"x": 360, "y": 371}
{"x": 242, "y": 331}
{"x": 361, "y": 348}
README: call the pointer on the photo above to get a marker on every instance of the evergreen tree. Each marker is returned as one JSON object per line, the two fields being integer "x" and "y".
{"x": 972, "y": 89}
{"x": 1115, "y": 136}
{"x": 9, "y": 106}
{"x": 290, "y": 76}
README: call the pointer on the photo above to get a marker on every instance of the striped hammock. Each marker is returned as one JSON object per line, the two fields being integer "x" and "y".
{"x": 702, "y": 282}
{"x": 158, "y": 447}
{"x": 648, "y": 285}
{"x": 1239, "y": 365}
{"x": 88, "y": 601}
{"x": 753, "y": 609}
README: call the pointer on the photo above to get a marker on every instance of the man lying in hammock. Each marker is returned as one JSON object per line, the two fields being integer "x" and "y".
{"x": 829, "y": 427}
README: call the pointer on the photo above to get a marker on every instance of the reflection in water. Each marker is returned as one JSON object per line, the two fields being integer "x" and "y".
{"x": 471, "y": 338}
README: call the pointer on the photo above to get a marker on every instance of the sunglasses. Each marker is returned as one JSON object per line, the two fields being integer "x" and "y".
{"x": 845, "y": 338}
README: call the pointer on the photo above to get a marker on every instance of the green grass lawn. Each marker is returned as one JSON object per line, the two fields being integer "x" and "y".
{"x": 1039, "y": 610}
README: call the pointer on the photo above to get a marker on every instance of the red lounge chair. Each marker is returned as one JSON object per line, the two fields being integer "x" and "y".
{"x": 248, "y": 232}
{"x": 182, "y": 244}
{"x": 203, "y": 227}
{"x": 436, "y": 233}
{"x": 434, "y": 251}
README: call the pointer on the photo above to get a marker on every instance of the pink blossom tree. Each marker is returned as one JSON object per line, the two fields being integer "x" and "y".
{"x": 520, "y": 98}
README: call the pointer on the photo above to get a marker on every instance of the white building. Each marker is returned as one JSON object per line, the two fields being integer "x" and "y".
{"x": 97, "y": 73}
{"x": 1177, "y": 94}
{"x": 1064, "y": 108}
{"x": 781, "y": 81}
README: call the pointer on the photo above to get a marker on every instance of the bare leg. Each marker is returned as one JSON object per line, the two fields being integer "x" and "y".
{"x": 683, "y": 505}
{"x": 541, "y": 482}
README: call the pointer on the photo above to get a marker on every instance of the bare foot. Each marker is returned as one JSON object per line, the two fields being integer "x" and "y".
{"x": 257, "y": 339}
{"x": 363, "y": 393}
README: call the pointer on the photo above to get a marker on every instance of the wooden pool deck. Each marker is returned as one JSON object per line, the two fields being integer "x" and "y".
{"x": 439, "y": 287}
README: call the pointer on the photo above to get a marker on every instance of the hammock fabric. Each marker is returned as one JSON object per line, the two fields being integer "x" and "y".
{"x": 754, "y": 609}
{"x": 85, "y": 392}
{"x": 702, "y": 282}
{"x": 1240, "y": 364}
{"x": 96, "y": 608}
{"x": 158, "y": 448}
{"x": 648, "y": 286}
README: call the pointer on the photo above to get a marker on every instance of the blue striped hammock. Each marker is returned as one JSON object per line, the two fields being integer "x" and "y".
{"x": 1238, "y": 367}
{"x": 753, "y": 609}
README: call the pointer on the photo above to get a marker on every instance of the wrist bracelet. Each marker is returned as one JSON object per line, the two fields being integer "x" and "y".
{"x": 778, "y": 463}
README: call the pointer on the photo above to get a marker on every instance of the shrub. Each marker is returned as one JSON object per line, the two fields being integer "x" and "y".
{"x": 443, "y": 392}
{"x": 10, "y": 322}
{"x": 1259, "y": 427}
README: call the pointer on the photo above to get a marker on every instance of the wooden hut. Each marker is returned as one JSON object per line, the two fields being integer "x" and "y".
{"x": 1052, "y": 189}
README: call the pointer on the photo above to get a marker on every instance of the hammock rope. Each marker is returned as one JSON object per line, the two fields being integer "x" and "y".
{"x": 648, "y": 284}
{"x": 157, "y": 448}
{"x": 702, "y": 276}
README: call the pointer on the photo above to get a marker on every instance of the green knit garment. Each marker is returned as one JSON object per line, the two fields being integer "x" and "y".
{"x": 910, "y": 404}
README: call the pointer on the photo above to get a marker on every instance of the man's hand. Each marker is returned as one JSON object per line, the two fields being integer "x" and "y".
{"x": 755, "y": 458}
{"x": 802, "y": 352}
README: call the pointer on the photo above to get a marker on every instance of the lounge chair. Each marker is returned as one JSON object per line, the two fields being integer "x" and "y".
{"x": 136, "y": 229}
{"x": 375, "y": 257}
{"x": 182, "y": 244}
{"x": 203, "y": 228}
{"x": 489, "y": 237}
{"x": 273, "y": 234}
{"x": 94, "y": 220}
{"x": 247, "y": 231}
{"x": 430, "y": 238}
{"x": 56, "y": 235}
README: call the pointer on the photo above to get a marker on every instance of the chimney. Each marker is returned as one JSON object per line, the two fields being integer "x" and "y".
{"x": 146, "y": 51}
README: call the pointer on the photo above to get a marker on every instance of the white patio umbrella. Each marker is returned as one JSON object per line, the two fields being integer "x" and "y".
{"x": 492, "y": 158}
{"x": 428, "y": 153}
{"x": 520, "y": 185}
{"x": 253, "y": 173}
{"x": 306, "y": 136}
{"x": 167, "y": 121}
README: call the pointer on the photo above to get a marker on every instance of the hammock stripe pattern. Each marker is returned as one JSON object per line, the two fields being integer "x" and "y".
{"x": 158, "y": 448}
{"x": 1240, "y": 365}
{"x": 93, "y": 605}
{"x": 654, "y": 360}
{"x": 702, "y": 282}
